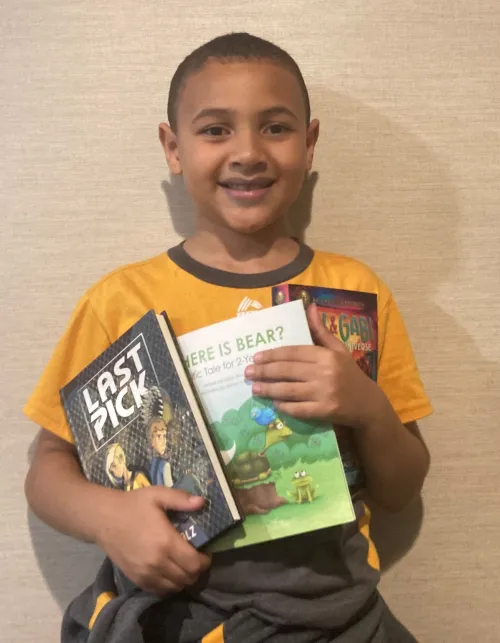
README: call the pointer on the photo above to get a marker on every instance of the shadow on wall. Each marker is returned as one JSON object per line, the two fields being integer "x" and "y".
{"x": 67, "y": 565}
{"x": 377, "y": 176}
{"x": 383, "y": 181}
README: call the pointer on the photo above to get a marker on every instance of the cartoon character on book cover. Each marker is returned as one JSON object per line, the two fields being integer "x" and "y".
{"x": 158, "y": 418}
{"x": 159, "y": 421}
{"x": 121, "y": 474}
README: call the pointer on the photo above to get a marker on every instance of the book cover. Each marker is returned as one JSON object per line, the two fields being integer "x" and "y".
{"x": 287, "y": 474}
{"x": 136, "y": 423}
{"x": 352, "y": 317}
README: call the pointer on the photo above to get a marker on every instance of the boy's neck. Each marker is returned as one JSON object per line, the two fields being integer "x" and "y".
{"x": 242, "y": 253}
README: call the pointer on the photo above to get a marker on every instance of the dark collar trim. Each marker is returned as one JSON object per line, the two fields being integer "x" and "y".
{"x": 236, "y": 280}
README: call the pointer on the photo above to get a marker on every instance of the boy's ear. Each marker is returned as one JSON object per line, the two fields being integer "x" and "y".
{"x": 311, "y": 140}
{"x": 168, "y": 141}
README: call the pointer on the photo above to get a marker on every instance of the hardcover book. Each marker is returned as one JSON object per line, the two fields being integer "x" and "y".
{"x": 351, "y": 316}
{"x": 136, "y": 422}
{"x": 287, "y": 474}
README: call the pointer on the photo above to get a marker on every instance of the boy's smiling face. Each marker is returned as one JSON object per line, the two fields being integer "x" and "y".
{"x": 242, "y": 143}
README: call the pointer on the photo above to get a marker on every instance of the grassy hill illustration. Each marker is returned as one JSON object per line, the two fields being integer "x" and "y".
{"x": 268, "y": 447}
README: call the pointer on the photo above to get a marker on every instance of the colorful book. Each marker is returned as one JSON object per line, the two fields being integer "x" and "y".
{"x": 352, "y": 317}
{"x": 136, "y": 422}
{"x": 287, "y": 474}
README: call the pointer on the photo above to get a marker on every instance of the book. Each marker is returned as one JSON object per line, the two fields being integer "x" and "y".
{"x": 136, "y": 422}
{"x": 287, "y": 474}
{"x": 352, "y": 317}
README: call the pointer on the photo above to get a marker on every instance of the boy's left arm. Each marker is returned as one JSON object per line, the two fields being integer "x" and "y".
{"x": 394, "y": 456}
{"x": 324, "y": 382}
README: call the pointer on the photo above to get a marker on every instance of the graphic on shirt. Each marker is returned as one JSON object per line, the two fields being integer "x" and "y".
{"x": 269, "y": 450}
{"x": 247, "y": 306}
{"x": 352, "y": 317}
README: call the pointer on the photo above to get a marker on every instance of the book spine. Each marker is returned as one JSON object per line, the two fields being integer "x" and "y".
{"x": 219, "y": 465}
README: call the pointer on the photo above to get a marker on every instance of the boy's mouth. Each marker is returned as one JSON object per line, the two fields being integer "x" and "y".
{"x": 247, "y": 189}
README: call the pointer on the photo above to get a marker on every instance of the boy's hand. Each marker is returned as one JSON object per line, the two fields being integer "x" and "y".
{"x": 315, "y": 382}
{"x": 138, "y": 537}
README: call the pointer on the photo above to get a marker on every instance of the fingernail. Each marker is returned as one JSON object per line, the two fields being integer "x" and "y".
{"x": 256, "y": 388}
{"x": 249, "y": 371}
{"x": 257, "y": 357}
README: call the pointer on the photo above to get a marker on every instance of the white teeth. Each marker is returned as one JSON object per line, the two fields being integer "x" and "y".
{"x": 245, "y": 187}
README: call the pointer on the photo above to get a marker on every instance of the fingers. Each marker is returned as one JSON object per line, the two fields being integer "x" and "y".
{"x": 313, "y": 319}
{"x": 169, "y": 579}
{"x": 146, "y": 546}
{"x": 291, "y": 381}
{"x": 176, "y": 576}
{"x": 288, "y": 354}
{"x": 306, "y": 354}
{"x": 301, "y": 410}
{"x": 290, "y": 391}
{"x": 320, "y": 335}
{"x": 185, "y": 556}
{"x": 176, "y": 499}
{"x": 181, "y": 567}
{"x": 281, "y": 371}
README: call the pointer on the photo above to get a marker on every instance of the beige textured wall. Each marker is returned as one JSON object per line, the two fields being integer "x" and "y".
{"x": 409, "y": 180}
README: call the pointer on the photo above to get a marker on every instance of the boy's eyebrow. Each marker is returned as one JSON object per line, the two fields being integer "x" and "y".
{"x": 221, "y": 113}
{"x": 278, "y": 110}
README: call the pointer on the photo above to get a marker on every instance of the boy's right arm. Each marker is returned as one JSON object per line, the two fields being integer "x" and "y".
{"x": 131, "y": 527}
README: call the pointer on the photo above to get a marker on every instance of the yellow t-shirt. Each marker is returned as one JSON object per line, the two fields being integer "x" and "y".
{"x": 195, "y": 295}
{"x": 323, "y": 579}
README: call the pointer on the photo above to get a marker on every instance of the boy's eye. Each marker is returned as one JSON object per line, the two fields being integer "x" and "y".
{"x": 277, "y": 128}
{"x": 215, "y": 130}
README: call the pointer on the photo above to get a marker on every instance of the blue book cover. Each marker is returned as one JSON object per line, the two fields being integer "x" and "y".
{"x": 136, "y": 422}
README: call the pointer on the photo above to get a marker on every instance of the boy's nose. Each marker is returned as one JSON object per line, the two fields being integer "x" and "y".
{"x": 248, "y": 153}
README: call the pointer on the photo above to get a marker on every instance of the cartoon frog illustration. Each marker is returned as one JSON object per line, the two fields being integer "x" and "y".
{"x": 304, "y": 490}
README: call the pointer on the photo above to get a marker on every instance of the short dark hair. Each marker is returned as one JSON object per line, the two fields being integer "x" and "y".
{"x": 229, "y": 48}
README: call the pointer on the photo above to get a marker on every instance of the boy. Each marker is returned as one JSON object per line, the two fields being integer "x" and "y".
{"x": 241, "y": 135}
{"x": 160, "y": 471}
{"x": 120, "y": 474}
